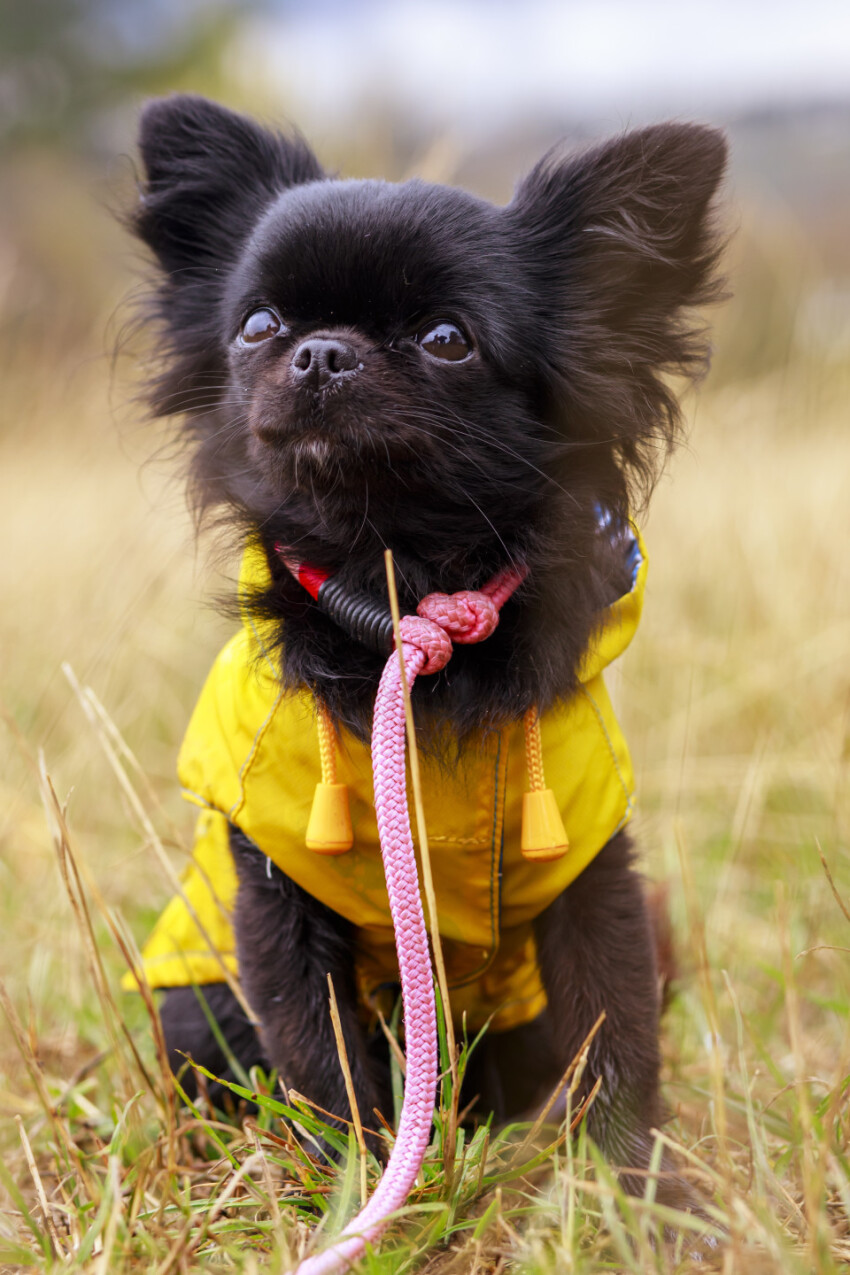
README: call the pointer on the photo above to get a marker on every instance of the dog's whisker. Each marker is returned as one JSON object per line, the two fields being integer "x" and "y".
{"x": 488, "y": 440}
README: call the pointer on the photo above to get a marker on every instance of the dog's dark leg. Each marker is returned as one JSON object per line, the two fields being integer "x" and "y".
{"x": 512, "y": 1073}
{"x": 287, "y": 943}
{"x": 188, "y": 1033}
{"x": 597, "y": 952}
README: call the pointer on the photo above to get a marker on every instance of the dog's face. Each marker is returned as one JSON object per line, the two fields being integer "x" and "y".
{"x": 377, "y": 347}
{"x": 364, "y": 364}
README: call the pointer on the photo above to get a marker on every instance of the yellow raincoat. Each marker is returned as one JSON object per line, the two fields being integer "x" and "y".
{"x": 251, "y": 756}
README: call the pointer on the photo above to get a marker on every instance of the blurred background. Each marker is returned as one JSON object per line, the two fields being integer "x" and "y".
{"x": 736, "y": 696}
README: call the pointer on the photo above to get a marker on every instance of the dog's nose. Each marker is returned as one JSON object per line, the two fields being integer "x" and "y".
{"x": 322, "y": 360}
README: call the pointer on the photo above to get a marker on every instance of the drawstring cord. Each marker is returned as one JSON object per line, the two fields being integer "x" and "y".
{"x": 329, "y": 828}
{"x": 327, "y": 748}
{"x": 543, "y": 836}
{"x": 533, "y": 750}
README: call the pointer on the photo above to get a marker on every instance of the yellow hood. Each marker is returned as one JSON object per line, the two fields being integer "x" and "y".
{"x": 251, "y": 756}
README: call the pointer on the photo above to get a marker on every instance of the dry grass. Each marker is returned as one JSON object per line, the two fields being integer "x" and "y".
{"x": 736, "y": 699}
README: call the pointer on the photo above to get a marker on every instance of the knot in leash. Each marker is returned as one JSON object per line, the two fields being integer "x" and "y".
{"x": 445, "y": 618}
{"x": 464, "y": 617}
{"x": 425, "y": 644}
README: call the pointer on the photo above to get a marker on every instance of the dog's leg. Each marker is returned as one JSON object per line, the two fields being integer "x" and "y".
{"x": 188, "y": 1034}
{"x": 287, "y": 943}
{"x": 596, "y": 951}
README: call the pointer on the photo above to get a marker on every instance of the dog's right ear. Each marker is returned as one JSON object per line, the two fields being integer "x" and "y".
{"x": 209, "y": 173}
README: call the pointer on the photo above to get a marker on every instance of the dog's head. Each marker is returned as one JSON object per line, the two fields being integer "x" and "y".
{"x": 364, "y": 364}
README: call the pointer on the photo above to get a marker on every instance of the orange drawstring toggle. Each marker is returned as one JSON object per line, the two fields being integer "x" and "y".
{"x": 329, "y": 827}
{"x": 543, "y": 834}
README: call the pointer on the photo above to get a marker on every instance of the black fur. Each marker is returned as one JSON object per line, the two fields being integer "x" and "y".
{"x": 596, "y": 949}
{"x": 578, "y": 300}
{"x": 190, "y": 1036}
{"x": 287, "y": 944}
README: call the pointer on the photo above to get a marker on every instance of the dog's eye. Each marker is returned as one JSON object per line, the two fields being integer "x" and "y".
{"x": 445, "y": 341}
{"x": 260, "y": 326}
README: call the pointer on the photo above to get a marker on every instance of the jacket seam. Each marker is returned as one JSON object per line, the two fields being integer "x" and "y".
{"x": 495, "y": 880}
{"x": 197, "y": 799}
{"x": 614, "y": 757}
{"x": 249, "y": 760}
{"x": 462, "y": 841}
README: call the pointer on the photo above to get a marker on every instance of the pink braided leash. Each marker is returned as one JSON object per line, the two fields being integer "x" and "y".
{"x": 426, "y": 643}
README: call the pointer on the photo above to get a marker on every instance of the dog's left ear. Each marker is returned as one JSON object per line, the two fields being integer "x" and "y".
{"x": 619, "y": 244}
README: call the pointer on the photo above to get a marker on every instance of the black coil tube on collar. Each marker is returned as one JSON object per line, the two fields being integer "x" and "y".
{"x": 361, "y": 616}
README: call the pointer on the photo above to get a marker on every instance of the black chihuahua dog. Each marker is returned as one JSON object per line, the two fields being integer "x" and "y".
{"x": 359, "y": 365}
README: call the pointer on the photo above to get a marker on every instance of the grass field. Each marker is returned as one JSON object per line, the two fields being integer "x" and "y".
{"x": 736, "y": 701}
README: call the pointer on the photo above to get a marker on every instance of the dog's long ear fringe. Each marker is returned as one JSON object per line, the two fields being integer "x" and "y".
{"x": 209, "y": 173}
{"x": 622, "y": 245}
